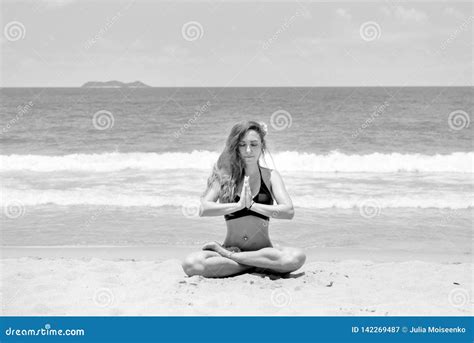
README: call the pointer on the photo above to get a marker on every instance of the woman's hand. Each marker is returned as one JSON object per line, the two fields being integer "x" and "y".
{"x": 248, "y": 195}
{"x": 243, "y": 201}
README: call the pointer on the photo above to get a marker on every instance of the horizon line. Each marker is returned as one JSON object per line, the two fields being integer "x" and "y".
{"x": 204, "y": 87}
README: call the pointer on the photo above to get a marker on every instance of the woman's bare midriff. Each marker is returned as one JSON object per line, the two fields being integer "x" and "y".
{"x": 247, "y": 233}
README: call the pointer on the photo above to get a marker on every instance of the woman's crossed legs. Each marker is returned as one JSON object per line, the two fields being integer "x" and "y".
{"x": 217, "y": 261}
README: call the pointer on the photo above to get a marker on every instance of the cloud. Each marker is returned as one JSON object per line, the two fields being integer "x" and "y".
{"x": 454, "y": 13}
{"x": 344, "y": 13}
{"x": 305, "y": 12}
{"x": 57, "y": 3}
{"x": 410, "y": 14}
{"x": 51, "y": 4}
{"x": 175, "y": 51}
{"x": 404, "y": 14}
{"x": 312, "y": 46}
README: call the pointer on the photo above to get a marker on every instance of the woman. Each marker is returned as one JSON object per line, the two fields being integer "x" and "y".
{"x": 247, "y": 244}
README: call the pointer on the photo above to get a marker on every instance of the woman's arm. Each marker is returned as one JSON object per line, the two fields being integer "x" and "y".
{"x": 284, "y": 208}
{"x": 209, "y": 206}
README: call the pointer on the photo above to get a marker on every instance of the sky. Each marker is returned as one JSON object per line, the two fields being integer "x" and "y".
{"x": 53, "y": 43}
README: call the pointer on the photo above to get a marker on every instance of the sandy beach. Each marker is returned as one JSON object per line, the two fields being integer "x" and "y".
{"x": 353, "y": 121}
{"x": 120, "y": 281}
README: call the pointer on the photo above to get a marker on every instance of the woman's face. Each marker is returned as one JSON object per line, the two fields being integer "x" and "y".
{"x": 250, "y": 147}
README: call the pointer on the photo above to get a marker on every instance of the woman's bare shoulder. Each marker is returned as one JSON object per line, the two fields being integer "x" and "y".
{"x": 268, "y": 175}
{"x": 275, "y": 176}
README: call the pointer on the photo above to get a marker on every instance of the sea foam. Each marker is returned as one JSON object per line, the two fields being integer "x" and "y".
{"x": 457, "y": 162}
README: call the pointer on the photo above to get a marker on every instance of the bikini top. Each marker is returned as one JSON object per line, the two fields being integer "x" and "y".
{"x": 264, "y": 196}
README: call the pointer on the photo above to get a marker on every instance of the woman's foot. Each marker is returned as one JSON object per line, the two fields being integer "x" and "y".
{"x": 233, "y": 249}
{"x": 225, "y": 252}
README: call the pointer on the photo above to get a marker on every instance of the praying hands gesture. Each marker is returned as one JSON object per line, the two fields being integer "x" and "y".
{"x": 245, "y": 200}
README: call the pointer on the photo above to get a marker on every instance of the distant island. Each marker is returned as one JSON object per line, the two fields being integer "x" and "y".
{"x": 114, "y": 84}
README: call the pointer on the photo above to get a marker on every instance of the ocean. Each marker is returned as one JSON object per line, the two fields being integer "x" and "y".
{"x": 367, "y": 168}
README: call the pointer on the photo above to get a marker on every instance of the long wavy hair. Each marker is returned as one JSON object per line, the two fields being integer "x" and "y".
{"x": 229, "y": 170}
